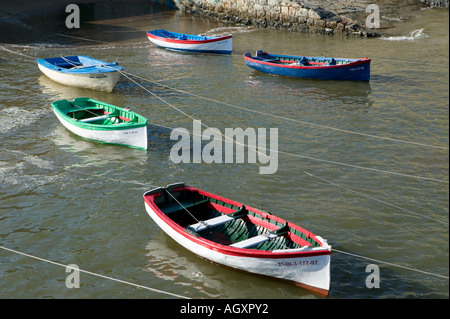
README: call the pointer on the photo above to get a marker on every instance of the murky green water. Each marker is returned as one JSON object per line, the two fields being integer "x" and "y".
{"x": 379, "y": 197}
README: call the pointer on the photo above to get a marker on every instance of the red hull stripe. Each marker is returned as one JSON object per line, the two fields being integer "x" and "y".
{"x": 227, "y": 250}
{"x": 187, "y": 41}
{"x": 361, "y": 61}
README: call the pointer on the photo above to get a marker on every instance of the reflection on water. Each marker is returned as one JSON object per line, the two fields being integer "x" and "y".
{"x": 94, "y": 153}
{"x": 168, "y": 261}
{"x": 182, "y": 270}
{"x": 60, "y": 91}
{"x": 345, "y": 92}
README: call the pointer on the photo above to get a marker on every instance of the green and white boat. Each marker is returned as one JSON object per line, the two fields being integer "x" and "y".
{"x": 102, "y": 122}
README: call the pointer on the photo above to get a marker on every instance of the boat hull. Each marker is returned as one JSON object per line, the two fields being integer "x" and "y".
{"x": 121, "y": 134}
{"x": 222, "y": 45}
{"x": 95, "y": 81}
{"x": 358, "y": 70}
{"x": 307, "y": 269}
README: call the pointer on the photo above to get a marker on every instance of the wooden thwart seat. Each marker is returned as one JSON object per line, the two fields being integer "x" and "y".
{"x": 216, "y": 221}
{"x": 101, "y": 117}
{"x": 253, "y": 241}
{"x": 95, "y": 118}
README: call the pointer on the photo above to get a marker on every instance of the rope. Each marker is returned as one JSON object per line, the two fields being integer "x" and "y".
{"x": 287, "y": 153}
{"x": 290, "y": 119}
{"x": 375, "y": 199}
{"x": 390, "y": 264}
{"x": 10, "y": 51}
{"x": 154, "y": 186}
{"x": 192, "y": 215}
{"x": 80, "y": 38}
{"x": 259, "y": 112}
{"x": 182, "y": 112}
{"x": 95, "y": 274}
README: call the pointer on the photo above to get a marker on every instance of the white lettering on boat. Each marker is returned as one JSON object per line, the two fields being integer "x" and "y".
{"x": 313, "y": 262}
{"x": 97, "y": 76}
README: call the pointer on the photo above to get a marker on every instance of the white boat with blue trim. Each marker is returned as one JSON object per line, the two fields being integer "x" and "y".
{"x": 81, "y": 71}
{"x": 191, "y": 43}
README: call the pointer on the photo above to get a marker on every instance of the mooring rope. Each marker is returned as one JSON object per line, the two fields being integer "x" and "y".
{"x": 186, "y": 114}
{"x": 374, "y": 199}
{"x": 95, "y": 274}
{"x": 390, "y": 264}
{"x": 292, "y": 154}
{"x": 287, "y": 118}
{"x": 156, "y": 186}
{"x": 283, "y": 152}
{"x": 280, "y": 152}
{"x": 14, "y": 52}
{"x": 80, "y": 38}
{"x": 261, "y": 112}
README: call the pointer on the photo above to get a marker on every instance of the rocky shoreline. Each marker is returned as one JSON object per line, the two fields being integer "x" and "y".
{"x": 342, "y": 17}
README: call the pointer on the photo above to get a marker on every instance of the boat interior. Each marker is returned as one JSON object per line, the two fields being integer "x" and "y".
{"x": 66, "y": 62}
{"x": 303, "y": 61}
{"x": 205, "y": 217}
{"x": 98, "y": 116}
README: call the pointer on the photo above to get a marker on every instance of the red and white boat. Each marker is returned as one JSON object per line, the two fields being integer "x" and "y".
{"x": 239, "y": 236}
{"x": 189, "y": 42}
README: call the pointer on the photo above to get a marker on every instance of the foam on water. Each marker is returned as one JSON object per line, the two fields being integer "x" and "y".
{"x": 223, "y": 31}
{"x": 12, "y": 118}
{"x": 413, "y": 35}
{"x": 26, "y": 171}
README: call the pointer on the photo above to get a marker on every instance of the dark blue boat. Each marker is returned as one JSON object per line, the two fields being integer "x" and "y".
{"x": 310, "y": 67}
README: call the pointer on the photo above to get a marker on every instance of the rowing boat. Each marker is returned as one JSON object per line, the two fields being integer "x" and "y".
{"x": 310, "y": 67}
{"x": 81, "y": 71}
{"x": 189, "y": 42}
{"x": 239, "y": 236}
{"x": 102, "y": 122}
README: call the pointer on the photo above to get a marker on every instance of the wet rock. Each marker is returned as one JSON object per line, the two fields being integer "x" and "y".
{"x": 331, "y": 17}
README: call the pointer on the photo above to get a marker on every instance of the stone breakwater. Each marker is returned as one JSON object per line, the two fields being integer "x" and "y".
{"x": 301, "y": 16}
{"x": 437, "y": 3}
{"x": 341, "y": 17}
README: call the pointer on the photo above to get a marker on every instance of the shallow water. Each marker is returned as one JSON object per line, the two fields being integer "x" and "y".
{"x": 364, "y": 165}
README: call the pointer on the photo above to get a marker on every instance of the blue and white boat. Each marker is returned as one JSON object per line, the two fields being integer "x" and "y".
{"x": 310, "y": 67}
{"x": 81, "y": 71}
{"x": 189, "y": 42}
